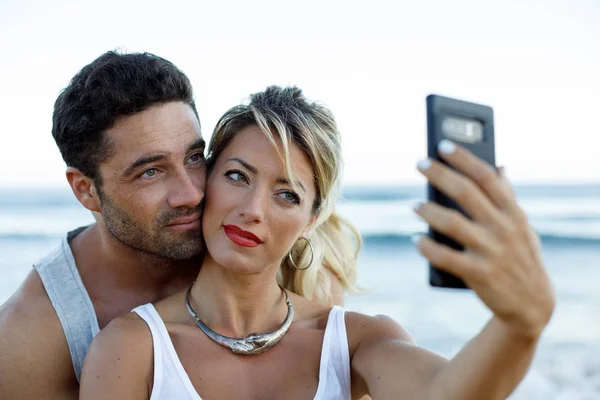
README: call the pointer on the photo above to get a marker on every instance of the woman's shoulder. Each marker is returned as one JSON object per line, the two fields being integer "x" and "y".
{"x": 128, "y": 324}
{"x": 124, "y": 349}
{"x": 311, "y": 312}
{"x": 127, "y": 334}
{"x": 362, "y": 329}
{"x": 358, "y": 326}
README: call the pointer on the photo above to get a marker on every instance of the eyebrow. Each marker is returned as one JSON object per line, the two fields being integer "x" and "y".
{"x": 252, "y": 169}
{"x": 245, "y": 164}
{"x": 198, "y": 144}
{"x": 143, "y": 161}
{"x": 285, "y": 181}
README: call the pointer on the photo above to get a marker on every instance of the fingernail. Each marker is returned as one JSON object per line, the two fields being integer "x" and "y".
{"x": 416, "y": 238}
{"x": 446, "y": 147}
{"x": 501, "y": 171}
{"x": 424, "y": 165}
{"x": 417, "y": 205}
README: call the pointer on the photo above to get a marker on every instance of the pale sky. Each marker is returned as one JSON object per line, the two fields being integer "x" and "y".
{"x": 537, "y": 63}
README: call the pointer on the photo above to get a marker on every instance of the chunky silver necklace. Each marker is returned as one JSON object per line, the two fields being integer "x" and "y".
{"x": 254, "y": 343}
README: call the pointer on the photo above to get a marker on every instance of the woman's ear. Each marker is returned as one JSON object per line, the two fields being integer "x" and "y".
{"x": 84, "y": 189}
{"x": 309, "y": 227}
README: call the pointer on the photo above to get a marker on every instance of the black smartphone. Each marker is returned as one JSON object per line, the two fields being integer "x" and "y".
{"x": 471, "y": 126}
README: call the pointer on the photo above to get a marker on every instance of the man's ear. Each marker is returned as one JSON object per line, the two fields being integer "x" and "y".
{"x": 84, "y": 189}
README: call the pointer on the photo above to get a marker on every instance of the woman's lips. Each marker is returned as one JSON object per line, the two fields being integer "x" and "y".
{"x": 241, "y": 237}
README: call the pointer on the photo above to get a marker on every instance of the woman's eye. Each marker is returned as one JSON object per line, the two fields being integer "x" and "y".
{"x": 237, "y": 176}
{"x": 290, "y": 197}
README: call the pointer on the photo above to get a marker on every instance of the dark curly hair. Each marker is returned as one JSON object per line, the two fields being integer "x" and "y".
{"x": 112, "y": 86}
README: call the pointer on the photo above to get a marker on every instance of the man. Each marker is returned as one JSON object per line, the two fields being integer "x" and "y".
{"x": 128, "y": 130}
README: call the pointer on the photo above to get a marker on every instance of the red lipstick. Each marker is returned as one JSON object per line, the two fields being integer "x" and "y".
{"x": 241, "y": 237}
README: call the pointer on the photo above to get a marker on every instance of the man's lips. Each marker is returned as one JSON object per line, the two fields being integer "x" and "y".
{"x": 190, "y": 221}
{"x": 241, "y": 237}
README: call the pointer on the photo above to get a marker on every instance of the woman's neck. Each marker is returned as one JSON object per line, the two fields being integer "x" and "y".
{"x": 235, "y": 304}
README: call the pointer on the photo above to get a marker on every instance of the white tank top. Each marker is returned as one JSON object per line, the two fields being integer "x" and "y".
{"x": 171, "y": 381}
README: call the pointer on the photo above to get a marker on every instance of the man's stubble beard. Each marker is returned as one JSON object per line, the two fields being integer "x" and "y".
{"x": 159, "y": 242}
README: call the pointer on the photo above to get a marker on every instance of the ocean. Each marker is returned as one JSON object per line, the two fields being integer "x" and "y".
{"x": 394, "y": 275}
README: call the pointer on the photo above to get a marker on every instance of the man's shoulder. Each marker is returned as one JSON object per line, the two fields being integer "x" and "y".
{"x": 28, "y": 319}
{"x": 34, "y": 348}
{"x": 29, "y": 303}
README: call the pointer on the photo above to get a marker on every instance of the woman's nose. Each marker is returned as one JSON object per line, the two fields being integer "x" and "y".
{"x": 254, "y": 206}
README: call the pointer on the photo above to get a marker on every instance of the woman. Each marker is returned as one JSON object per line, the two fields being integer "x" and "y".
{"x": 274, "y": 170}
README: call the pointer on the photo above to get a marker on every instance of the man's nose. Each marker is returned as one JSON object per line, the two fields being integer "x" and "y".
{"x": 185, "y": 190}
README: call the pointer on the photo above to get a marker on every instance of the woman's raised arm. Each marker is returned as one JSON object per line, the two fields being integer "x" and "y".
{"x": 503, "y": 265}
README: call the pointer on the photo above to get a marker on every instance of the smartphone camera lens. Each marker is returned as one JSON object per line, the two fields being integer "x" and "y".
{"x": 462, "y": 129}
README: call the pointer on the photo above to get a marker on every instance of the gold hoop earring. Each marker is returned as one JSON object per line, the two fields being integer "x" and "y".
{"x": 312, "y": 255}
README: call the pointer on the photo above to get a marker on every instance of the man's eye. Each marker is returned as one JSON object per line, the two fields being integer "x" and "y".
{"x": 149, "y": 173}
{"x": 197, "y": 157}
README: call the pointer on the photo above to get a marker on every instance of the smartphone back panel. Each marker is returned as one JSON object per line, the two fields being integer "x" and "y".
{"x": 471, "y": 126}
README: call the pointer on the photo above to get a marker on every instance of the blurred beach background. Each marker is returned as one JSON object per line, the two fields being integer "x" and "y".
{"x": 567, "y": 366}
{"x": 373, "y": 63}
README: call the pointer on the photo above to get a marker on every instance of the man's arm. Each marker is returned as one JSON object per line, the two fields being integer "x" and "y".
{"x": 35, "y": 362}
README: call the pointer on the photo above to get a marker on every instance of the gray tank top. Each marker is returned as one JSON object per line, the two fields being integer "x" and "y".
{"x": 70, "y": 299}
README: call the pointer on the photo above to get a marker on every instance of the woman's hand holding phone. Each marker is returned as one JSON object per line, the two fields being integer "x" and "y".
{"x": 502, "y": 261}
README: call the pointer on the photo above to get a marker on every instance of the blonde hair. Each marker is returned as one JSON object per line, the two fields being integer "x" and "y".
{"x": 311, "y": 126}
